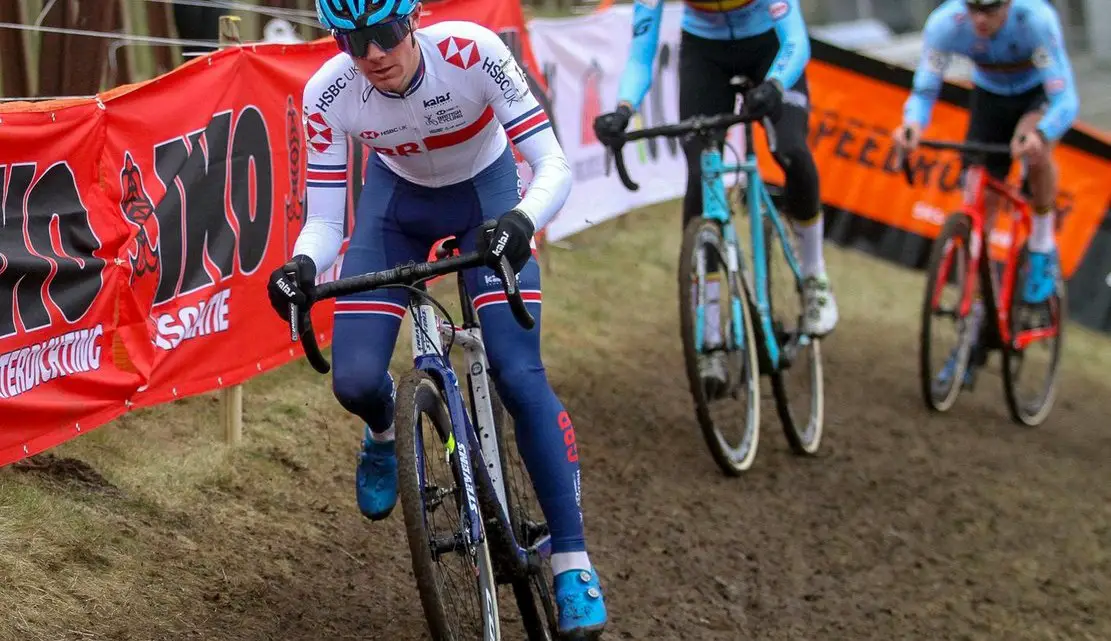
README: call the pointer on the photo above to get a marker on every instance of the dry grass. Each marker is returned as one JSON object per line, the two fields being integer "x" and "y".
{"x": 167, "y": 521}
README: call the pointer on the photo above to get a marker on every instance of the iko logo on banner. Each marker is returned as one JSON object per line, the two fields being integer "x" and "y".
{"x": 211, "y": 177}
{"x": 45, "y": 237}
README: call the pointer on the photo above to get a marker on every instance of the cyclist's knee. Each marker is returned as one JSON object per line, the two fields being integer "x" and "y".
{"x": 1042, "y": 162}
{"x": 520, "y": 381}
{"x": 799, "y": 161}
{"x": 361, "y": 387}
{"x": 514, "y": 356}
{"x": 802, "y": 188}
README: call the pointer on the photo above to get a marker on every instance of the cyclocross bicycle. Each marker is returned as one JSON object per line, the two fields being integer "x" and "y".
{"x": 959, "y": 263}
{"x": 489, "y": 536}
{"x": 770, "y": 292}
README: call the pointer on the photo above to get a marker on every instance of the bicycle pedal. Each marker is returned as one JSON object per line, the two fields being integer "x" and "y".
{"x": 1035, "y": 316}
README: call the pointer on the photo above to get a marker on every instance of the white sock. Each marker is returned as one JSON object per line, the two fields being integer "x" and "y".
{"x": 713, "y": 309}
{"x": 383, "y": 437}
{"x": 810, "y": 246}
{"x": 1042, "y": 238}
{"x": 565, "y": 561}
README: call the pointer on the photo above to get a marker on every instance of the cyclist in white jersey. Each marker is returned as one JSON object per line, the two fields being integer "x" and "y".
{"x": 438, "y": 106}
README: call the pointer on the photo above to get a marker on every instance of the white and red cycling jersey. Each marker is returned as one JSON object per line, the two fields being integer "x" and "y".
{"x": 467, "y": 99}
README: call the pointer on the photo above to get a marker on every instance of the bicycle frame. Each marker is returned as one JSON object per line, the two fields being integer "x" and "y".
{"x": 978, "y": 183}
{"x": 716, "y": 207}
{"x": 429, "y": 332}
{"x": 759, "y": 203}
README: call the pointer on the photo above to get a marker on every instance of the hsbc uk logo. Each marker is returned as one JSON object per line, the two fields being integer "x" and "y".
{"x": 461, "y": 52}
{"x": 318, "y": 133}
{"x": 371, "y": 134}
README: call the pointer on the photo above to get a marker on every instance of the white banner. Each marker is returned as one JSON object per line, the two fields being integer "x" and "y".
{"x": 583, "y": 58}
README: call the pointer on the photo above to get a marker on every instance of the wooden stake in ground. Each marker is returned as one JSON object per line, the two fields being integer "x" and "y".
{"x": 231, "y": 398}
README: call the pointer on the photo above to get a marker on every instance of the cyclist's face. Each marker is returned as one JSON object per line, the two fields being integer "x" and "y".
{"x": 987, "y": 22}
{"x": 392, "y": 70}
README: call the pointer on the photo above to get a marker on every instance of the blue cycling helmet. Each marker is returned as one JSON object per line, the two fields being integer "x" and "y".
{"x": 347, "y": 15}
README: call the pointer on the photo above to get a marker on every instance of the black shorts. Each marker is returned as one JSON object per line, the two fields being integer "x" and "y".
{"x": 706, "y": 67}
{"x": 992, "y": 119}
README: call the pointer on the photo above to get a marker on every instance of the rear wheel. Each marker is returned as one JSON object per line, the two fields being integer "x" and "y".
{"x": 798, "y": 383}
{"x": 1031, "y": 360}
{"x": 454, "y": 575}
{"x": 719, "y": 348}
{"x": 942, "y": 364}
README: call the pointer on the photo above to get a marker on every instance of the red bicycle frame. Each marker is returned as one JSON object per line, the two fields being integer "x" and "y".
{"x": 978, "y": 183}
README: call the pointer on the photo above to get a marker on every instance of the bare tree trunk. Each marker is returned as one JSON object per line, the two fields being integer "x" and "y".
{"x": 158, "y": 25}
{"x": 70, "y": 64}
{"x": 13, "y": 62}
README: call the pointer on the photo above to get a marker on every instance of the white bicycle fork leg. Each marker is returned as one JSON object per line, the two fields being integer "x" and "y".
{"x": 478, "y": 368}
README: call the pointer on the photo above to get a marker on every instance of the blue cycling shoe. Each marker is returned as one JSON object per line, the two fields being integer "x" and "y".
{"x": 946, "y": 373}
{"x": 582, "y": 610}
{"x": 1041, "y": 277}
{"x": 376, "y": 478}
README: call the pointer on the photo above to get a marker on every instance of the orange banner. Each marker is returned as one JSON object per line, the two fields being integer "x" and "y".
{"x": 852, "y": 116}
{"x": 139, "y": 230}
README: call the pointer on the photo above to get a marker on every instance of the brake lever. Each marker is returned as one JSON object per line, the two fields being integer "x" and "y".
{"x": 622, "y": 171}
{"x": 513, "y": 294}
{"x": 300, "y": 329}
{"x": 294, "y": 317}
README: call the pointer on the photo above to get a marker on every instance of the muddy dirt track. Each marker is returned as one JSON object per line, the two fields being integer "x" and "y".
{"x": 909, "y": 526}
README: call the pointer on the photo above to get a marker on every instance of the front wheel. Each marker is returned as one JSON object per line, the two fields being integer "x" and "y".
{"x": 1037, "y": 333}
{"x": 947, "y": 275}
{"x": 719, "y": 348}
{"x": 454, "y": 574}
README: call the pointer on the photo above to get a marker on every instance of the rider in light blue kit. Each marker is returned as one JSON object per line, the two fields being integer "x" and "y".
{"x": 1024, "y": 95}
{"x": 765, "y": 41}
{"x": 439, "y": 107}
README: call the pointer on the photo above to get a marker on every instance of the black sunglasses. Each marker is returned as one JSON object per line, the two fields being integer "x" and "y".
{"x": 386, "y": 35}
{"x": 984, "y": 8}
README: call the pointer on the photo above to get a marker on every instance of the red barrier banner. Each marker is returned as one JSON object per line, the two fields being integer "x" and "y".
{"x": 138, "y": 231}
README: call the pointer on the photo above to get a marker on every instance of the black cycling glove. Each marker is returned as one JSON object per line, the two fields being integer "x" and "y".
{"x": 289, "y": 282}
{"x": 511, "y": 237}
{"x": 609, "y": 127}
{"x": 766, "y": 99}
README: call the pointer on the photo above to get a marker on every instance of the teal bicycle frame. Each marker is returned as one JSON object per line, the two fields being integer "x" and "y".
{"x": 715, "y": 206}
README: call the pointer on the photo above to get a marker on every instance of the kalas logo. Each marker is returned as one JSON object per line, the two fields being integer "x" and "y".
{"x": 438, "y": 100}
